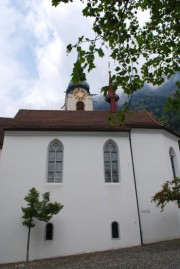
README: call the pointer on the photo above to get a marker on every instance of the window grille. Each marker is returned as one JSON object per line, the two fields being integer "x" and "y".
{"x": 111, "y": 162}
{"x": 55, "y": 161}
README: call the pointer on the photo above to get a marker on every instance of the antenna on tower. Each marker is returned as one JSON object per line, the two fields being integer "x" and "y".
{"x": 109, "y": 68}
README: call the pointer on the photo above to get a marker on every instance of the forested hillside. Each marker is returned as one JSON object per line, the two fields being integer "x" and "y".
{"x": 152, "y": 100}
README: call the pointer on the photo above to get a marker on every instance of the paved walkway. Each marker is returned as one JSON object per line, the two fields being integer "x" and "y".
{"x": 163, "y": 255}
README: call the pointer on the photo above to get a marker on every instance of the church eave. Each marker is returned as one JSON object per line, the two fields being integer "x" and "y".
{"x": 69, "y": 129}
{"x": 123, "y": 129}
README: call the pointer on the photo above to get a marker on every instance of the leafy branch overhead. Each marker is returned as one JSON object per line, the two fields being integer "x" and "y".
{"x": 117, "y": 27}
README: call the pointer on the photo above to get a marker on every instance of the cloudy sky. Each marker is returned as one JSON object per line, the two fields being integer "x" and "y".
{"x": 34, "y": 66}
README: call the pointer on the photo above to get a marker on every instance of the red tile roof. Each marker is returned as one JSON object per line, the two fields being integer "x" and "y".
{"x": 83, "y": 120}
{"x": 79, "y": 121}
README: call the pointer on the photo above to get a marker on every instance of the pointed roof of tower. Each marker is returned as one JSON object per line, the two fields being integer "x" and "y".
{"x": 82, "y": 84}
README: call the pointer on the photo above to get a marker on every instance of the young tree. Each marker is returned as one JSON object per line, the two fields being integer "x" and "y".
{"x": 36, "y": 209}
{"x": 117, "y": 27}
{"x": 170, "y": 192}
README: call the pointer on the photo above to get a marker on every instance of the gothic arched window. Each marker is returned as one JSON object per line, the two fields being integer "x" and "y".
{"x": 111, "y": 162}
{"x": 55, "y": 162}
{"x": 49, "y": 231}
{"x": 79, "y": 105}
{"x": 115, "y": 230}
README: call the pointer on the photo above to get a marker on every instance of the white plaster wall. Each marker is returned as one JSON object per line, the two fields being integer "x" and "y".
{"x": 152, "y": 169}
{"x": 71, "y": 102}
{"x": 90, "y": 205}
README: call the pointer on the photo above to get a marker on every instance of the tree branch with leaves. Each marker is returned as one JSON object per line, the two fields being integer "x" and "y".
{"x": 117, "y": 27}
{"x": 170, "y": 192}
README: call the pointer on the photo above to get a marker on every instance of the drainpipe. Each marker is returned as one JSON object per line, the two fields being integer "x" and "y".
{"x": 135, "y": 186}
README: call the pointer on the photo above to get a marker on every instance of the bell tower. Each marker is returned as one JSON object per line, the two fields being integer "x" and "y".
{"x": 78, "y": 96}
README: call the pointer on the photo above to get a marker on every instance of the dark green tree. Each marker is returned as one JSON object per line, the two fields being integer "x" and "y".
{"x": 36, "y": 209}
{"x": 117, "y": 27}
{"x": 170, "y": 192}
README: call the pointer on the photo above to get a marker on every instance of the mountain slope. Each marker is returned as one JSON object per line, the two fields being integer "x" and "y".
{"x": 150, "y": 99}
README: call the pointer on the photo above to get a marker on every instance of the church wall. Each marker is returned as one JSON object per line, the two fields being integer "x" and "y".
{"x": 90, "y": 204}
{"x": 152, "y": 169}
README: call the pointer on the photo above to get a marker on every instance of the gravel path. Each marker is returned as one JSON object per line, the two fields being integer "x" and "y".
{"x": 163, "y": 255}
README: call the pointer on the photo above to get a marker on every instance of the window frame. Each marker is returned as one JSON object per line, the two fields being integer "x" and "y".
{"x": 111, "y": 163}
{"x": 54, "y": 163}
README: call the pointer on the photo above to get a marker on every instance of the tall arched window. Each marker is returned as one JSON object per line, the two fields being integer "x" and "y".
{"x": 115, "y": 230}
{"x": 55, "y": 162}
{"x": 173, "y": 161}
{"x": 111, "y": 162}
{"x": 79, "y": 105}
{"x": 49, "y": 231}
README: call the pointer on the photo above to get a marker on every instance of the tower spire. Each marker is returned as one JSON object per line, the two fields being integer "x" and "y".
{"x": 112, "y": 97}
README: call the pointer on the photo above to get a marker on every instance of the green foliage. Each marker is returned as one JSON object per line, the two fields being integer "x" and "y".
{"x": 116, "y": 26}
{"x": 173, "y": 103}
{"x": 46, "y": 209}
{"x": 120, "y": 115}
{"x": 30, "y": 211}
{"x": 170, "y": 192}
{"x": 36, "y": 209}
{"x": 111, "y": 119}
{"x": 56, "y": 2}
{"x": 104, "y": 90}
{"x": 78, "y": 74}
{"x": 155, "y": 105}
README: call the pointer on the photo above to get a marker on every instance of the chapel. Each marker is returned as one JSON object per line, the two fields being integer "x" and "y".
{"x": 104, "y": 174}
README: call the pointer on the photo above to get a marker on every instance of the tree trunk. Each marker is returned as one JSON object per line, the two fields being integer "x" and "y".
{"x": 28, "y": 241}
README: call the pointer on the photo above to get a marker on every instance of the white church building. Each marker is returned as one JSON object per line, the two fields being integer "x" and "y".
{"x": 105, "y": 176}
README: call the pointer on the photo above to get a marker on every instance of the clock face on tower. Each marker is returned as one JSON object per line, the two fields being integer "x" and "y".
{"x": 79, "y": 93}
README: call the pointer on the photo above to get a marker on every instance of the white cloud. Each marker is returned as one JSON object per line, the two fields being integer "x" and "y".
{"x": 35, "y": 69}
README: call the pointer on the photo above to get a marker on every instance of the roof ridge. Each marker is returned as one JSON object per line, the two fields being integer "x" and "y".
{"x": 154, "y": 119}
